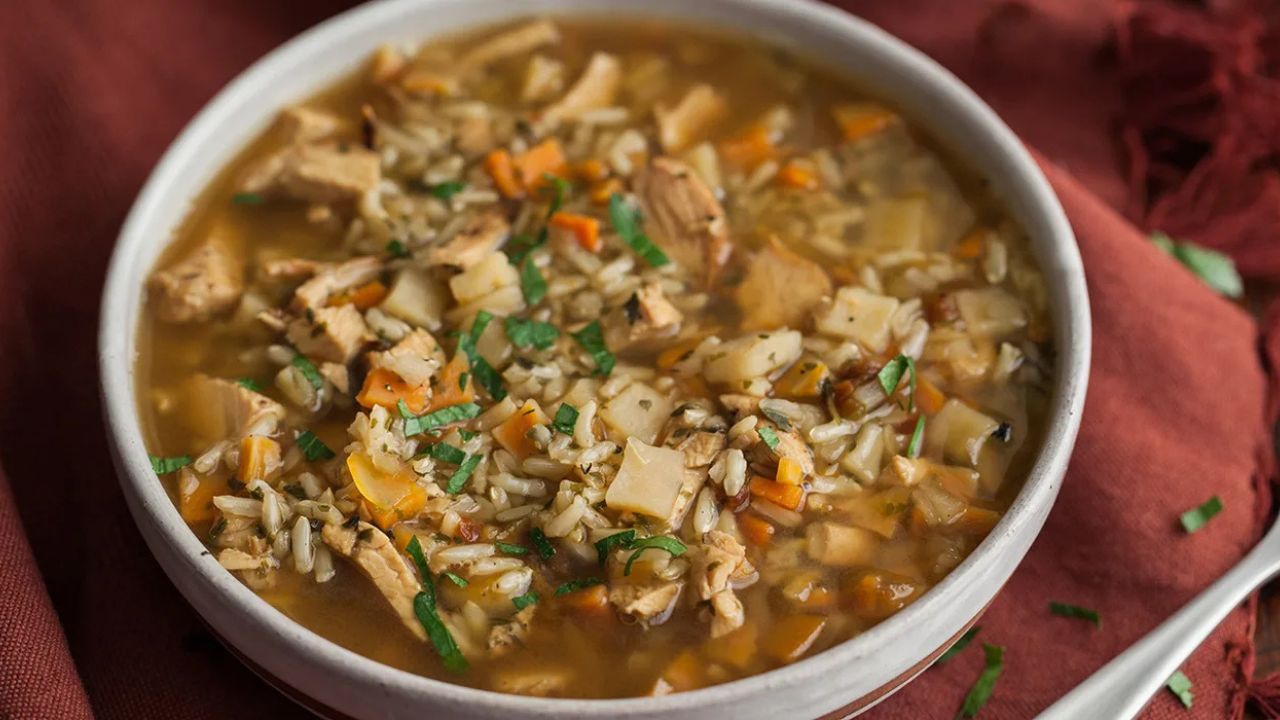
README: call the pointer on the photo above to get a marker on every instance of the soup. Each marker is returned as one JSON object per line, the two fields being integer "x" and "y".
{"x": 582, "y": 359}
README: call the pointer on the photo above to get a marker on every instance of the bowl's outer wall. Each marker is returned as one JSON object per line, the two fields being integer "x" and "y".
{"x": 359, "y": 687}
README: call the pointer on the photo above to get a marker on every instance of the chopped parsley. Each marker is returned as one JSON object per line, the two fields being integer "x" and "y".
{"x": 309, "y": 371}
{"x": 1075, "y": 611}
{"x": 566, "y": 417}
{"x": 1217, "y": 270}
{"x": 397, "y": 249}
{"x": 481, "y": 371}
{"x": 769, "y": 437}
{"x": 414, "y": 424}
{"x": 523, "y": 601}
{"x": 913, "y": 447}
{"x": 782, "y": 421}
{"x": 605, "y": 545}
{"x": 446, "y": 190}
{"x": 457, "y": 579}
{"x": 424, "y": 607}
{"x": 1180, "y": 685}
{"x": 1196, "y": 517}
{"x": 462, "y": 381}
{"x": 313, "y": 448}
{"x": 458, "y": 479}
{"x": 986, "y": 682}
{"x": 627, "y": 224}
{"x": 661, "y": 542}
{"x": 246, "y": 198}
{"x": 565, "y": 588}
{"x": 591, "y": 338}
{"x": 446, "y": 453}
{"x": 959, "y": 645}
{"x": 249, "y": 384}
{"x": 166, "y": 465}
{"x": 531, "y": 333}
{"x": 540, "y": 543}
{"x": 510, "y": 549}
{"x": 532, "y": 284}
{"x": 890, "y": 377}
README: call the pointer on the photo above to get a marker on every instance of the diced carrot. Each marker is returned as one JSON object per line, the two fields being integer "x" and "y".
{"x": 197, "y": 505}
{"x": 363, "y": 297}
{"x": 592, "y": 600}
{"x": 585, "y": 229}
{"x": 862, "y": 120}
{"x": 601, "y": 192}
{"x": 737, "y": 649}
{"x": 532, "y": 165}
{"x": 798, "y": 175}
{"x": 259, "y": 458}
{"x": 819, "y": 599}
{"x": 407, "y": 507}
{"x": 513, "y": 433}
{"x": 450, "y": 390}
{"x": 875, "y": 595}
{"x": 499, "y": 165}
{"x": 928, "y": 397}
{"x": 975, "y": 521}
{"x": 402, "y": 537}
{"x": 385, "y": 388}
{"x": 791, "y": 637}
{"x": 787, "y": 496}
{"x": 790, "y": 472}
{"x": 755, "y": 529}
{"x": 668, "y": 358}
{"x": 591, "y": 170}
{"x": 748, "y": 149}
{"x": 684, "y": 672}
{"x": 972, "y": 244}
{"x": 802, "y": 380}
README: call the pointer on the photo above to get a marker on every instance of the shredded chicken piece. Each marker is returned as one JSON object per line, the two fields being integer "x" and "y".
{"x": 508, "y": 636}
{"x": 220, "y": 408}
{"x": 474, "y": 136}
{"x": 335, "y": 334}
{"x": 701, "y": 448}
{"x": 683, "y": 217}
{"x": 720, "y": 560}
{"x": 299, "y": 124}
{"x": 206, "y": 282}
{"x": 473, "y": 243}
{"x": 517, "y": 41}
{"x": 376, "y": 556}
{"x": 648, "y": 604}
{"x": 648, "y": 316}
{"x": 596, "y": 88}
{"x": 727, "y": 613}
{"x": 333, "y": 279}
{"x": 416, "y": 358}
{"x": 790, "y": 445}
{"x": 696, "y": 113}
{"x": 781, "y": 288}
{"x": 316, "y": 173}
{"x": 741, "y": 405}
{"x": 291, "y": 268}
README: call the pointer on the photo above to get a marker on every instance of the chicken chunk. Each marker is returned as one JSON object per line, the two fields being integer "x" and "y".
{"x": 206, "y": 282}
{"x": 474, "y": 136}
{"x": 478, "y": 239}
{"x": 647, "y": 604}
{"x": 596, "y": 88}
{"x": 336, "y": 334}
{"x": 720, "y": 563}
{"x": 790, "y": 445}
{"x": 727, "y": 613}
{"x": 533, "y": 682}
{"x": 507, "y": 637}
{"x": 701, "y": 448}
{"x": 686, "y": 123}
{"x": 333, "y": 279}
{"x": 316, "y": 173}
{"x": 647, "y": 316}
{"x": 376, "y": 556}
{"x": 219, "y": 409}
{"x": 683, "y": 217}
{"x": 294, "y": 268}
{"x": 780, "y": 289}
{"x": 416, "y": 358}
{"x": 299, "y": 124}
{"x": 517, "y": 41}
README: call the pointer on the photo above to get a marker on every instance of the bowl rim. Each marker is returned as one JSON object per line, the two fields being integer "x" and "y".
{"x": 153, "y": 510}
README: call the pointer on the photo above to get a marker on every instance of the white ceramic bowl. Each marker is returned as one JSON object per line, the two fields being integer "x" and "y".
{"x": 844, "y": 679}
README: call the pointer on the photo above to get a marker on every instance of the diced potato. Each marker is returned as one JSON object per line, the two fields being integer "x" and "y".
{"x": 961, "y": 432}
{"x": 878, "y": 594}
{"x": 897, "y": 223}
{"x": 513, "y": 433}
{"x": 880, "y": 513}
{"x": 639, "y": 411}
{"x": 791, "y": 637}
{"x": 493, "y": 344}
{"x": 752, "y": 356}
{"x": 909, "y": 472}
{"x": 937, "y": 506}
{"x": 581, "y": 392}
{"x": 863, "y": 460}
{"x": 990, "y": 312}
{"x": 504, "y": 301}
{"x": 648, "y": 482}
{"x": 417, "y": 298}
{"x": 493, "y": 273}
{"x": 859, "y": 315}
{"x": 840, "y": 545}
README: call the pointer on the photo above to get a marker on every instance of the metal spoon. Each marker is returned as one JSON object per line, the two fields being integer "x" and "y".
{"x": 1122, "y": 687}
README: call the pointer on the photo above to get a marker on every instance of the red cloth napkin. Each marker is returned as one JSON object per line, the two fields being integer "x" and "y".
{"x": 1145, "y": 117}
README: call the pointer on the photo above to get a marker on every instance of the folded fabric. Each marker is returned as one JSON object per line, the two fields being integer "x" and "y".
{"x": 1178, "y": 407}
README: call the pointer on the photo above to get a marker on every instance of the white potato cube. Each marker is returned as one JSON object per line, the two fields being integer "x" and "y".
{"x": 859, "y": 315}
{"x": 416, "y": 298}
{"x": 752, "y": 356}
{"x": 637, "y": 412}
{"x": 840, "y": 545}
{"x": 990, "y": 312}
{"x": 649, "y": 481}
{"x": 489, "y": 275}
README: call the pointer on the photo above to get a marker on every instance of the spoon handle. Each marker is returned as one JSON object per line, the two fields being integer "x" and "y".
{"x": 1122, "y": 687}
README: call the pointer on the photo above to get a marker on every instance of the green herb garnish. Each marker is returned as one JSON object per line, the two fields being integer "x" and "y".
{"x": 769, "y": 437}
{"x": 308, "y": 370}
{"x": 1195, "y": 518}
{"x": 456, "y": 579}
{"x": 591, "y": 338}
{"x": 532, "y": 284}
{"x": 424, "y": 607}
{"x": 246, "y": 198}
{"x": 626, "y": 223}
{"x": 488, "y": 378}
{"x": 566, "y": 417}
{"x": 662, "y": 542}
{"x": 1180, "y": 685}
{"x": 397, "y": 249}
{"x": 313, "y": 448}
{"x": 565, "y": 588}
{"x": 959, "y": 645}
{"x": 1075, "y": 611}
{"x": 1217, "y": 270}
{"x": 531, "y": 333}
{"x": 605, "y": 545}
{"x": 414, "y": 424}
{"x": 890, "y": 377}
{"x": 986, "y": 682}
{"x": 249, "y": 384}
{"x": 166, "y": 465}
{"x": 447, "y": 453}
{"x": 782, "y": 421}
{"x": 913, "y": 447}
{"x": 523, "y": 601}
{"x": 540, "y": 543}
{"x": 446, "y": 190}
{"x": 459, "y": 478}
{"x": 510, "y": 549}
